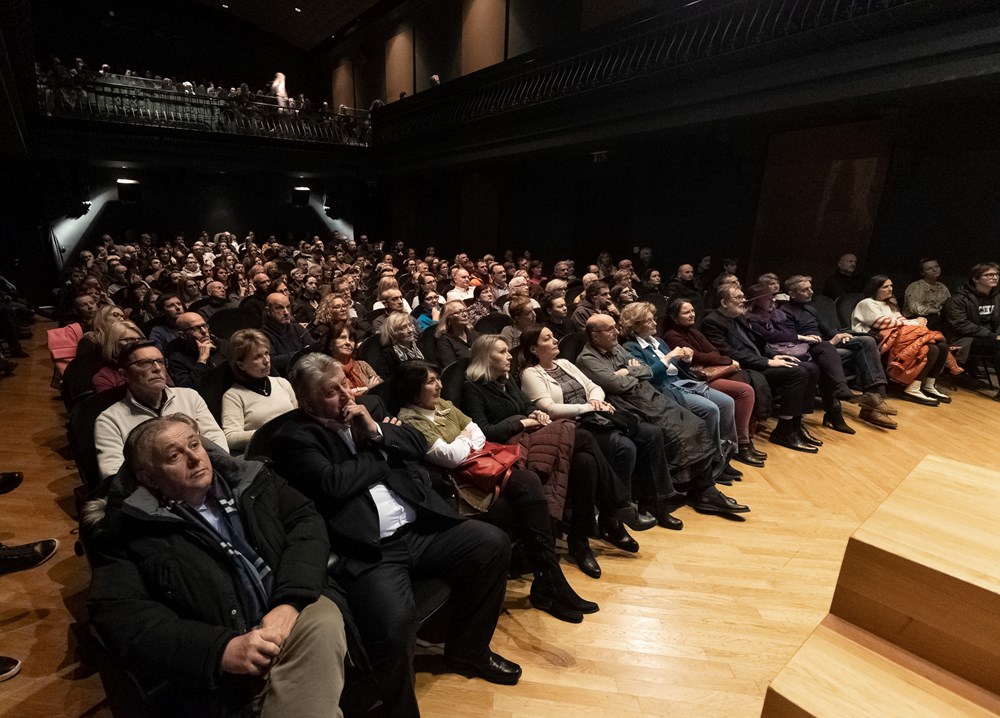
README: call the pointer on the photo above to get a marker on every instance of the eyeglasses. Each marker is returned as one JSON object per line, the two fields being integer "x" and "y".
{"x": 197, "y": 328}
{"x": 609, "y": 329}
{"x": 991, "y": 275}
{"x": 147, "y": 364}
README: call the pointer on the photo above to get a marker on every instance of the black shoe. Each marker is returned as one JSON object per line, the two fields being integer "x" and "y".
{"x": 732, "y": 473}
{"x": 490, "y": 667}
{"x": 790, "y": 440}
{"x": 716, "y": 502}
{"x": 836, "y": 422}
{"x": 724, "y": 480}
{"x": 10, "y": 480}
{"x": 807, "y": 437}
{"x": 584, "y": 559}
{"x": 570, "y": 598}
{"x": 7, "y": 367}
{"x": 25, "y": 556}
{"x": 845, "y": 393}
{"x": 669, "y": 521}
{"x": 746, "y": 456}
{"x": 543, "y": 597}
{"x": 762, "y": 455}
{"x": 9, "y": 667}
{"x": 615, "y": 534}
{"x": 918, "y": 397}
{"x": 630, "y": 516}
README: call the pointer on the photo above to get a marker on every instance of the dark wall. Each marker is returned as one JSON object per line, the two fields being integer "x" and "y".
{"x": 183, "y": 40}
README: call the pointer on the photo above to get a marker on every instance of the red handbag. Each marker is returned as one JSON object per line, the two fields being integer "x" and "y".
{"x": 488, "y": 468}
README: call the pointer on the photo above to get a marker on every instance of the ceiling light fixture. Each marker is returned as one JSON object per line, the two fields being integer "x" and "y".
{"x": 298, "y": 9}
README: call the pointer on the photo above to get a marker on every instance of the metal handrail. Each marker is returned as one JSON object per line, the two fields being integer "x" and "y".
{"x": 137, "y": 101}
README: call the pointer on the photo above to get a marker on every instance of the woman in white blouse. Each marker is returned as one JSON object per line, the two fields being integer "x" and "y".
{"x": 255, "y": 398}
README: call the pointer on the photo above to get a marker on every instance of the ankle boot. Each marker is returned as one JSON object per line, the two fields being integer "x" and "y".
{"x": 835, "y": 421}
{"x": 613, "y": 531}
{"x": 804, "y": 434}
{"x": 755, "y": 451}
{"x": 543, "y": 596}
{"x": 579, "y": 551}
{"x": 568, "y": 597}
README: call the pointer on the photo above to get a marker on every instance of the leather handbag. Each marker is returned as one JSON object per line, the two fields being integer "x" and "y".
{"x": 799, "y": 350}
{"x": 488, "y": 468}
{"x": 711, "y": 373}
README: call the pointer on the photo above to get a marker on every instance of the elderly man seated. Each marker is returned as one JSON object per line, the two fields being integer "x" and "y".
{"x": 389, "y": 526}
{"x": 692, "y": 455}
{"x": 862, "y": 348}
{"x": 286, "y": 337}
{"x": 194, "y": 351}
{"x": 209, "y": 573}
{"x": 144, "y": 370}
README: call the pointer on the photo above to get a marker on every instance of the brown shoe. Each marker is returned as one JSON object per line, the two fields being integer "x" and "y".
{"x": 872, "y": 400}
{"x": 877, "y": 419}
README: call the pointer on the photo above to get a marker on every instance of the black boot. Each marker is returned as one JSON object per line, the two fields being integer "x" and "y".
{"x": 613, "y": 531}
{"x": 835, "y": 421}
{"x": 804, "y": 434}
{"x": 543, "y": 596}
{"x": 579, "y": 551}
{"x": 568, "y": 597}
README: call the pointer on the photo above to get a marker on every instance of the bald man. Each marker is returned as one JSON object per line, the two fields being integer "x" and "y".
{"x": 285, "y": 335}
{"x": 194, "y": 351}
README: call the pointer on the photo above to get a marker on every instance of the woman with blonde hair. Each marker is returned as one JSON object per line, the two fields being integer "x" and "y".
{"x": 255, "y": 397}
{"x": 454, "y": 334}
{"x": 116, "y": 337}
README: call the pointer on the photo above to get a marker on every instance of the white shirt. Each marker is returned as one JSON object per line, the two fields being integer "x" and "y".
{"x": 671, "y": 369}
{"x": 461, "y": 294}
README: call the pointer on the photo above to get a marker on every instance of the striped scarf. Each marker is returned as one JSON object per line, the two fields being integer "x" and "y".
{"x": 255, "y": 576}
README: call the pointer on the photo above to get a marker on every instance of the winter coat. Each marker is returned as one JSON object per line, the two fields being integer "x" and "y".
{"x": 962, "y": 319}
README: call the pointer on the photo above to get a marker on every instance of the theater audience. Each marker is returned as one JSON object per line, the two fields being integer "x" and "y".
{"x": 388, "y": 526}
{"x": 520, "y": 506}
{"x": 255, "y": 397}
{"x": 427, "y": 311}
{"x": 596, "y": 300}
{"x": 189, "y": 529}
{"x": 846, "y": 279}
{"x": 484, "y": 305}
{"x": 144, "y": 371}
{"x": 523, "y": 315}
{"x": 286, "y": 336}
{"x": 164, "y": 327}
{"x": 399, "y": 344}
{"x": 915, "y": 370}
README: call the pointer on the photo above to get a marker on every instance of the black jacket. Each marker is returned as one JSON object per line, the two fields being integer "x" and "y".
{"x": 496, "y": 407}
{"x": 741, "y": 346}
{"x": 962, "y": 314}
{"x": 163, "y": 596}
{"x": 317, "y": 462}
{"x": 184, "y": 367}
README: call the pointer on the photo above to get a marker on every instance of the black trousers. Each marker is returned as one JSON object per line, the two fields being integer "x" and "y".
{"x": 794, "y": 387}
{"x": 523, "y": 510}
{"x": 987, "y": 347}
{"x": 831, "y": 372}
{"x": 937, "y": 355}
{"x": 592, "y": 482}
{"x": 471, "y": 555}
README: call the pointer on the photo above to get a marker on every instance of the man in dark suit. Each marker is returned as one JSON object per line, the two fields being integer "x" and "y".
{"x": 389, "y": 525}
{"x": 793, "y": 382}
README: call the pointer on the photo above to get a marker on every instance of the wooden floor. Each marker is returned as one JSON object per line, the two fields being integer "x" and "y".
{"x": 697, "y": 624}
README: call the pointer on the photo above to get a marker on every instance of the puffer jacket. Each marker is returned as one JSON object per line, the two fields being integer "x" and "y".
{"x": 164, "y": 598}
{"x": 906, "y": 345}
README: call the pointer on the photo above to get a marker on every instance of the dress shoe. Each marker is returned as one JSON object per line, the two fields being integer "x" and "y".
{"x": 918, "y": 397}
{"x": 25, "y": 556}
{"x": 491, "y": 667}
{"x": 732, "y": 473}
{"x": 716, "y": 502}
{"x": 746, "y": 456}
{"x": 585, "y": 559}
{"x": 630, "y": 516}
{"x": 808, "y": 437}
{"x": 10, "y": 480}
{"x": 790, "y": 439}
{"x": 845, "y": 393}
{"x": 724, "y": 480}
{"x": 874, "y": 401}
{"x": 836, "y": 422}
{"x": 615, "y": 534}
{"x": 669, "y": 521}
{"x": 543, "y": 596}
{"x": 877, "y": 419}
{"x": 9, "y": 667}
{"x": 762, "y": 455}
{"x": 931, "y": 391}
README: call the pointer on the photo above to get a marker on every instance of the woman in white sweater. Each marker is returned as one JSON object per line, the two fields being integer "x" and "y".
{"x": 255, "y": 398}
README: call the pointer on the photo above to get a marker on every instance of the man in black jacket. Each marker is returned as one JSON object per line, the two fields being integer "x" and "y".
{"x": 210, "y": 573}
{"x": 388, "y": 525}
{"x": 194, "y": 351}
{"x": 793, "y": 382}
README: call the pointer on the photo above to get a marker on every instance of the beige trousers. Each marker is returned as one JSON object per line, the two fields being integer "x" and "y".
{"x": 307, "y": 678}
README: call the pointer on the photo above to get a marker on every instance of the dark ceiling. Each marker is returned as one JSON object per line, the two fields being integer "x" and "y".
{"x": 303, "y": 23}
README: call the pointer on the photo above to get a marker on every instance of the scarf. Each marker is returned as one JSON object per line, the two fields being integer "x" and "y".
{"x": 352, "y": 375}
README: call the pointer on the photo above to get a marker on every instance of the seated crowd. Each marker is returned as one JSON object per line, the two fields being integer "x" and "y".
{"x": 384, "y": 382}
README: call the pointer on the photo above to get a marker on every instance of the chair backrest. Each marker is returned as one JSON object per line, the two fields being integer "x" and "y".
{"x": 80, "y": 432}
{"x": 226, "y": 322}
{"x": 493, "y": 323}
{"x": 213, "y": 384}
{"x": 572, "y": 293}
{"x": 370, "y": 349}
{"x": 452, "y": 380}
{"x": 845, "y": 307}
{"x": 77, "y": 380}
{"x": 427, "y": 342}
{"x": 259, "y": 446}
{"x": 657, "y": 300}
{"x": 571, "y": 346}
{"x": 826, "y": 308}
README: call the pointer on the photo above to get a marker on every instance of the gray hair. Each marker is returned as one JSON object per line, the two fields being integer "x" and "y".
{"x": 307, "y": 373}
{"x": 480, "y": 365}
{"x": 795, "y": 280}
{"x": 140, "y": 452}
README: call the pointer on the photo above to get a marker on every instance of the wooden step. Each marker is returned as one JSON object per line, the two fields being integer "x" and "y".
{"x": 843, "y": 672}
{"x": 923, "y": 572}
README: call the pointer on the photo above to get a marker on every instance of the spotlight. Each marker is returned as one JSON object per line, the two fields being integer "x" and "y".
{"x": 300, "y": 196}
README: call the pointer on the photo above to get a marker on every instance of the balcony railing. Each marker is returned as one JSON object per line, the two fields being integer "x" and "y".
{"x": 136, "y": 101}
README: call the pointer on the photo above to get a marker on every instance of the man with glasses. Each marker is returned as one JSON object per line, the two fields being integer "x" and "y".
{"x": 972, "y": 316}
{"x": 144, "y": 370}
{"x": 194, "y": 351}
